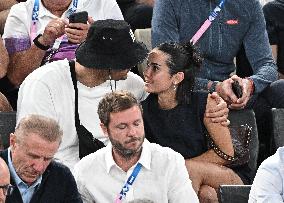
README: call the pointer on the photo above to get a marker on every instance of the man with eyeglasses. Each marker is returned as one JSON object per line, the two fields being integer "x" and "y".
{"x": 5, "y": 186}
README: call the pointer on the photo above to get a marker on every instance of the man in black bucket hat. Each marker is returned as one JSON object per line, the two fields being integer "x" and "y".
{"x": 110, "y": 48}
{"x": 69, "y": 91}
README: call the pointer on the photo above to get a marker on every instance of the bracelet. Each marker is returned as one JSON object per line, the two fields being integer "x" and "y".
{"x": 39, "y": 45}
{"x": 252, "y": 85}
{"x": 218, "y": 151}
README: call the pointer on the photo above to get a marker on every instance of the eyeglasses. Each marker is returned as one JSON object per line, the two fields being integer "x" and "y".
{"x": 7, "y": 189}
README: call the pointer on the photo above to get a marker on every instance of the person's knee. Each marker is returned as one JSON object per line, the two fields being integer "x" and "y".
{"x": 207, "y": 194}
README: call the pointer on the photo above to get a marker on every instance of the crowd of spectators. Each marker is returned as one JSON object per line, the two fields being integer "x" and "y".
{"x": 68, "y": 81}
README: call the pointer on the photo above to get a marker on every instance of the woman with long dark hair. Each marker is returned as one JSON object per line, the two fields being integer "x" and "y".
{"x": 176, "y": 116}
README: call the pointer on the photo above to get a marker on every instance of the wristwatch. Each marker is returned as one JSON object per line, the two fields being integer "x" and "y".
{"x": 212, "y": 88}
{"x": 39, "y": 45}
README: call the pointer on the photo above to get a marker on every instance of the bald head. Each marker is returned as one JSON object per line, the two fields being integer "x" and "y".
{"x": 4, "y": 178}
{"x": 4, "y": 171}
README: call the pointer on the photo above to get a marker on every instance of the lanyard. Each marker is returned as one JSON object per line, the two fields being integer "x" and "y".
{"x": 128, "y": 183}
{"x": 35, "y": 13}
{"x": 207, "y": 22}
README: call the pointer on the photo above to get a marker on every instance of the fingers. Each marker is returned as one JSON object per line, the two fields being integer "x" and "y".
{"x": 77, "y": 32}
{"x": 216, "y": 109}
{"x": 54, "y": 29}
{"x": 225, "y": 91}
{"x": 246, "y": 89}
{"x": 90, "y": 20}
{"x": 219, "y": 115}
{"x": 78, "y": 26}
{"x": 226, "y": 123}
{"x": 220, "y": 107}
{"x": 236, "y": 78}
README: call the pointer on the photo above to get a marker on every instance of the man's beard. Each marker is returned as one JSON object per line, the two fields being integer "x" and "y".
{"x": 124, "y": 152}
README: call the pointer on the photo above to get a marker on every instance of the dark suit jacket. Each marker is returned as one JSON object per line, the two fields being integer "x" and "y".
{"x": 57, "y": 186}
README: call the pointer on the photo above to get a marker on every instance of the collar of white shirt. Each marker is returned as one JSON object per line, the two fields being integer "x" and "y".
{"x": 45, "y": 12}
{"x": 145, "y": 158}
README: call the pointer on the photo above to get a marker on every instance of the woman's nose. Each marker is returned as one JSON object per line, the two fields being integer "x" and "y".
{"x": 146, "y": 71}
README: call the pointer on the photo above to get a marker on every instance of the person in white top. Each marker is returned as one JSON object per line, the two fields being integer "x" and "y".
{"x": 52, "y": 23}
{"x": 102, "y": 64}
{"x": 130, "y": 167}
{"x": 37, "y": 32}
{"x": 268, "y": 184}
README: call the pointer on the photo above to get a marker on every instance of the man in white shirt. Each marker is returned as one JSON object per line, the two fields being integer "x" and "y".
{"x": 34, "y": 28}
{"x": 268, "y": 182}
{"x": 102, "y": 64}
{"x": 51, "y": 24}
{"x": 130, "y": 168}
{"x": 34, "y": 175}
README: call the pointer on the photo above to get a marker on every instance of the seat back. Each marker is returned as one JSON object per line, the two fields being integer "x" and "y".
{"x": 278, "y": 127}
{"x": 242, "y": 117}
{"x": 7, "y": 126}
{"x": 143, "y": 35}
{"x": 234, "y": 193}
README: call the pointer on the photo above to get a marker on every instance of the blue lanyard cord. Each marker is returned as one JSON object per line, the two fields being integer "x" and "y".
{"x": 130, "y": 181}
{"x": 216, "y": 11}
{"x": 36, "y": 10}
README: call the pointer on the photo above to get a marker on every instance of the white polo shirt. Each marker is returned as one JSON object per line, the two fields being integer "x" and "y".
{"x": 18, "y": 24}
{"x": 163, "y": 177}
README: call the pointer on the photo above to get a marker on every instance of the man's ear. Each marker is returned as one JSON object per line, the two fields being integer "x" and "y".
{"x": 104, "y": 128}
{"x": 178, "y": 77}
{"x": 12, "y": 140}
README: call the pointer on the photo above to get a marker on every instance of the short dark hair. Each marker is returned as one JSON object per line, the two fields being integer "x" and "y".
{"x": 182, "y": 58}
{"x": 115, "y": 102}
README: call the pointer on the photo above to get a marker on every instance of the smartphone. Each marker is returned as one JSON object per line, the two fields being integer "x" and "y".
{"x": 80, "y": 17}
{"x": 237, "y": 89}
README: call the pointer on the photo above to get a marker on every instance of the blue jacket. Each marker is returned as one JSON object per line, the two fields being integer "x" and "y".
{"x": 240, "y": 21}
{"x": 57, "y": 186}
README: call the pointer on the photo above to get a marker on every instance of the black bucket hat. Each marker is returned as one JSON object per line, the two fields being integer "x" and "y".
{"x": 110, "y": 44}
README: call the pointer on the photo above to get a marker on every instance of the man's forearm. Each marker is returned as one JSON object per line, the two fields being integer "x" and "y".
{"x": 146, "y": 2}
{"x": 23, "y": 63}
{"x": 7, "y": 4}
{"x": 3, "y": 17}
{"x": 218, "y": 133}
{"x": 3, "y": 59}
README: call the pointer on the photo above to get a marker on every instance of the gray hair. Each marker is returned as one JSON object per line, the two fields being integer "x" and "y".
{"x": 46, "y": 128}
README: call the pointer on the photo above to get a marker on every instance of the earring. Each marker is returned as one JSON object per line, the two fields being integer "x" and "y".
{"x": 109, "y": 77}
{"x": 175, "y": 87}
